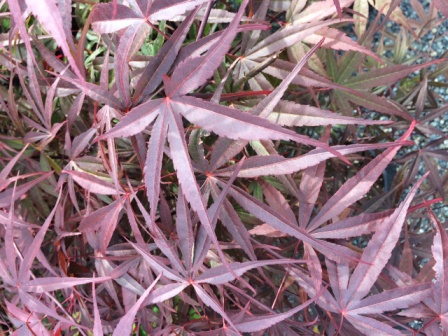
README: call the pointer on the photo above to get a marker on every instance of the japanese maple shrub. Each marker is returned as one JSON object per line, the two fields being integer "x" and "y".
{"x": 198, "y": 168}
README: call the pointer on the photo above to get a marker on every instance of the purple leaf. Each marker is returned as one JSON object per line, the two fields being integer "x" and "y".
{"x": 202, "y": 294}
{"x": 224, "y": 150}
{"x": 277, "y": 202}
{"x": 187, "y": 180}
{"x": 235, "y": 124}
{"x": 319, "y": 10}
{"x": 385, "y": 76}
{"x": 103, "y": 219}
{"x": 168, "y": 9}
{"x": 43, "y": 285}
{"x": 286, "y": 37}
{"x": 166, "y": 292}
{"x": 162, "y": 62}
{"x": 378, "y": 251}
{"x": 92, "y": 183}
{"x": 277, "y": 165}
{"x": 75, "y": 109}
{"x": 352, "y": 226}
{"x": 356, "y": 187}
{"x": 132, "y": 35}
{"x": 258, "y": 323}
{"x": 279, "y": 222}
{"x": 97, "y": 325}
{"x": 124, "y": 327}
{"x": 81, "y": 141}
{"x": 264, "y": 108}
{"x": 325, "y": 299}
{"x": 310, "y": 185}
{"x": 370, "y": 326}
{"x": 48, "y": 14}
{"x": 194, "y": 71}
{"x": 202, "y": 244}
{"x": 442, "y": 6}
{"x": 35, "y": 305}
{"x": 34, "y": 88}
{"x": 57, "y": 64}
{"x": 440, "y": 253}
{"x": 375, "y": 103}
{"x": 95, "y": 92}
{"x": 338, "y": 8}
{"x": 135, "y": 121}
{"x": 28, "y": 258}
{"x": 6, "y": 196}
{"x": 184, "y": 229}
{"x": 336, "y": 39}
{"x": 339, "y": 275}
{"x": 398, "y": 298}
{"x": 182, "y": 163}
{"x": 158, "y": 267}
{"x": 288, "y": 113}
{"x": 104, "y": 21}
{"x": 7, "y": 169}
{"x": 220, "y": 274}
{"x": 153, "y": 164}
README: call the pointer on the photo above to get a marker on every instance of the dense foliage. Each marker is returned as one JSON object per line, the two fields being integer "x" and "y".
{"x": 198, "y": 168}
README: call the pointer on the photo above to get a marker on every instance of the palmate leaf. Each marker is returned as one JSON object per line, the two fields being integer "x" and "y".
{"x": 187, "y": 180}
{"x": 398, "y": 298}
{"x": 310, "y": 186}
{"x": 212, "y": 303}
{"x": 284, "y": 38}
{"x": 50, "y": 17}
{"x": 135, "y": 121}
{"x": 97, "y": 324}
{"x": 237, "y": 125}
{"x": 220, "y": 274}
{"x": 210, "y": 116}
{"x": 318, "y": 10}
{"x": 11, "y": 195}
{"x": 167, "y": 9}
{"x": 109, "y": 18}
{"x": 162, "y": 62}
{"x": 287, "y": 113}
{"x": 279, "y": 222}
{"x": 34, "y": 249}
{"x": 194, "y": 71}
{"x": 154, "y": 158}
{"x": 96, "y": 92}
{"x": 48, "y": 284}
{"x": 352, "y": 227}
{"x": 130, "y": 42}
{"x": 92, "y": 183}
{"x": 337, "y": 40}
{"x": 385, "y": 76}
{"x": 377, "y": 252}
{"x": 349, "y": 292}
{"x": 184, "y": 227}
{"x": 124, "y": 327}
{"x": 277, "y": 165}
{"x": 35, "y": 305}
{"x": 257, "y": 323}
{"x": 102, "y": 217}
{"x": 112, "y": 17}
{"x": 357, "y": 186}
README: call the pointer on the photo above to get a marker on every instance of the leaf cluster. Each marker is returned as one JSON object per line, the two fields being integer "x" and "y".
{"x": 195, "y": 167}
